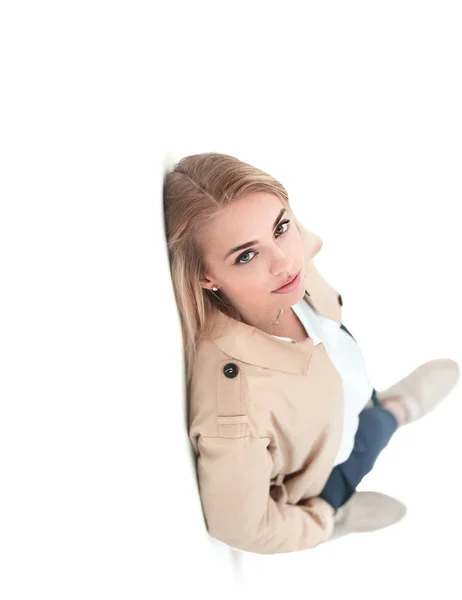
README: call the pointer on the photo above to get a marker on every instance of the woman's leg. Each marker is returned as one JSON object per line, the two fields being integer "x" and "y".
{"x": 376, "y": 427}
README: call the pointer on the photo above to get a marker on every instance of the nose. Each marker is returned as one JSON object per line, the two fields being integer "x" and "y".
{"x": 281, "y": 264}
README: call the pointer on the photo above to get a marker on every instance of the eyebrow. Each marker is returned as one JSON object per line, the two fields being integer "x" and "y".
{"x": 252, "y": 242}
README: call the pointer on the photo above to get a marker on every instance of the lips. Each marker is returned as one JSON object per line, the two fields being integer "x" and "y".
{"x": 287, "y": 281}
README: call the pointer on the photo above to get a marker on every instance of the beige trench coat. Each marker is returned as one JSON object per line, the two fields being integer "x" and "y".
{"x": 265, "y": 420}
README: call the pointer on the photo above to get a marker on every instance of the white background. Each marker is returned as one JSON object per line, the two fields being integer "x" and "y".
{"x": 355, "y": 107}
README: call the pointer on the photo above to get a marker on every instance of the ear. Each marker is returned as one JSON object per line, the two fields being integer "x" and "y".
{"x": 206, "y": 283}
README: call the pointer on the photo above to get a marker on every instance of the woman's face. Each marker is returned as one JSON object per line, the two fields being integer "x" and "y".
{"x": 247, "y": 277}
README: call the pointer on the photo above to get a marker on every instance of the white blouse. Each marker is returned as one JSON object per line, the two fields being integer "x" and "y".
{"x": 346, "y": 356}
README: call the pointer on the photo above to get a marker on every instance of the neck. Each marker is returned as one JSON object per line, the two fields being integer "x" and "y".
{"x": 268, "y": 324}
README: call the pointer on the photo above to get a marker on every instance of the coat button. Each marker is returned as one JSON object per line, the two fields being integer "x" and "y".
{"x": 230, "y": 370}
{"x": 340, "y": 301}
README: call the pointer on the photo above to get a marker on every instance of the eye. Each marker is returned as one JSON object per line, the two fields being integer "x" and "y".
{"x": 286, "y": 222}
{"x": 238, "y": 259}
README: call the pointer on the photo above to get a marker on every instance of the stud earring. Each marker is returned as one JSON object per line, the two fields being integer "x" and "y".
{"x": 214, "y": 288}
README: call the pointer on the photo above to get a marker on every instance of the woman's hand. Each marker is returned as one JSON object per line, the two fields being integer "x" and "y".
{"x": 323, "y": 512}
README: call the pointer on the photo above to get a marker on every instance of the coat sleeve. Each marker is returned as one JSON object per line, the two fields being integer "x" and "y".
{"x": 234, "y": 481}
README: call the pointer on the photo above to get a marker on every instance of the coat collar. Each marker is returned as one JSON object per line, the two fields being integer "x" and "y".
{"x": 254, "y": 346}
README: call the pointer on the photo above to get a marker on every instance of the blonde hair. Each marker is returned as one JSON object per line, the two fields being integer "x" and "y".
{"x": 197, "y": 188}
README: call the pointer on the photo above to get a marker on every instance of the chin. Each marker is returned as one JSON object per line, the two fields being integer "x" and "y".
{"x": 299, "y": 297}
{"x": 290, "y": 299}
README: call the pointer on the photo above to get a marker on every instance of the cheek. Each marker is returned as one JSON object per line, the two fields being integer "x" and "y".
{"x": 249, "y": 282}
{"x": 296, "y": 250}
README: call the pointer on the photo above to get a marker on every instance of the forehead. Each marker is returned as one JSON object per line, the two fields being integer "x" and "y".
{"x": 249, "y": 218}
{"x": 249, "y": 213}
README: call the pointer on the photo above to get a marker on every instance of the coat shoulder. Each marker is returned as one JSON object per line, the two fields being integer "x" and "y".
{"x": 218, "y": 395}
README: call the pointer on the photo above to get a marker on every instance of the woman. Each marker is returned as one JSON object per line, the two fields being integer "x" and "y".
{"x": 283, "y": 419}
